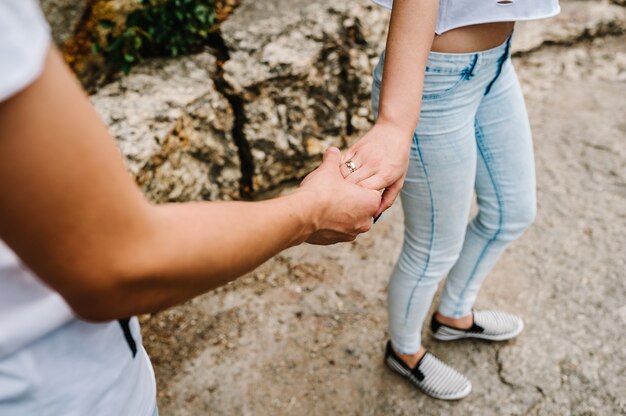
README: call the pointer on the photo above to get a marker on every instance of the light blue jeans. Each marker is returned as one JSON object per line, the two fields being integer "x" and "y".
{"x": 473, "y": 135}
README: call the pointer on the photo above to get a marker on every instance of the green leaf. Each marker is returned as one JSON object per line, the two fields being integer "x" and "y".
{"x": 157, "y": 28}
{"x": 116, "y": 44}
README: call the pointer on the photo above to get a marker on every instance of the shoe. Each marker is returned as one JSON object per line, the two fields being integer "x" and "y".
{"x": 489, "y": 325}
{"x": 431, "y": 375}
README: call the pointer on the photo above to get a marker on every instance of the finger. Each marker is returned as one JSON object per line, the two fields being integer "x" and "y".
{"x": 345, "y": 171}
{"x": 389, "y": 196}
{"x": 332, "y": 155}
{"x": 375, "y": 182}
{"x": 360, "y": 175}
{"x": 331, "y": 159}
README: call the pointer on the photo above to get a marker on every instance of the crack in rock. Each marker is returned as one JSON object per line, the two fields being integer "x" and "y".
{"x": 303, "y": 80}
{"x": 246, "y": 160}
{"x": 500, "y": 368}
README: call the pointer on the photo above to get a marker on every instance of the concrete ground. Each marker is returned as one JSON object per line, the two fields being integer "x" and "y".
{"x": 304, "y": 334}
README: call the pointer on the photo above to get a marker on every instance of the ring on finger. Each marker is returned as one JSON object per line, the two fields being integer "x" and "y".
{"x": 351, "y": 166}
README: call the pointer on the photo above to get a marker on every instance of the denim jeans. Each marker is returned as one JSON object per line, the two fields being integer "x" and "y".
{"x": 473, "y": 135}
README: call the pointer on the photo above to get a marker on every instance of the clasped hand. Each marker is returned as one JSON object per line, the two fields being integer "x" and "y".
{"x": 342, "y": 209}
{"x": 379, "y": 161}
{"x": 348, "y": 200}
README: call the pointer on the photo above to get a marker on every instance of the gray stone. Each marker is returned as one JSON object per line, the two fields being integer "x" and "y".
{"x": 63, "y": 17}
{"x": 304, "y": 75}
{"x": 578, "y": 19}
{"x": 174, "y": 129}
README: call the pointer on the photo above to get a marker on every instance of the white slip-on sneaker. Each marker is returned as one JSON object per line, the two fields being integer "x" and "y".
{"x": 431, "y": 375}
{"x": 488, "y": 325}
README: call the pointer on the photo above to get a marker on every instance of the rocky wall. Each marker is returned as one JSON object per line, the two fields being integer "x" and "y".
{"x": 281, "y": 81}
{"x": 174, "y": 129}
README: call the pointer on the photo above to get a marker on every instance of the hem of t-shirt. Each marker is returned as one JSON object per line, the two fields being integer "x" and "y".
{"x": 555, "y": 12}
{"x": 31, "y": 74}
{"x": 153, "y": 404}
{"x": 382, "y": 4}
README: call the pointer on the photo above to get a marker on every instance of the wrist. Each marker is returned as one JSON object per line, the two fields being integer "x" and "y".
{"x": 307, "y": 209}
{"x": 396, "y": 128}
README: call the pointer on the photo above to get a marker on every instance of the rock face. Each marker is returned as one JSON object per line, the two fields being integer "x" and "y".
{"x": 303, "y": 75}
{"x": 174, "y": 129}
{"x": 578, "y": 19}
{"x": 292, "y": 78}
{"x": 295, "y": 82}
{"x": 63, "y": 17}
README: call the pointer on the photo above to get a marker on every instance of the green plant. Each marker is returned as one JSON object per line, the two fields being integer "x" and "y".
{"x": 157, "y": 28}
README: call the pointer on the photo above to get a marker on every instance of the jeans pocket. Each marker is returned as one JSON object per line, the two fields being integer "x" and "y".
{"x": 438, "y": 85}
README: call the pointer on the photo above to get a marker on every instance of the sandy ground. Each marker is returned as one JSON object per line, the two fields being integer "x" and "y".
{"x": 304, "y": 334}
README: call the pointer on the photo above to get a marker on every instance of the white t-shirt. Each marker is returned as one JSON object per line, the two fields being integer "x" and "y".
{"x": 52, "y": 362}
{"x": 459, "y": 13}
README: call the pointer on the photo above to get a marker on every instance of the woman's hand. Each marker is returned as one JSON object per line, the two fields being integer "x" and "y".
{"x": 380, "y": 158}
{"x": 342, "y": 210}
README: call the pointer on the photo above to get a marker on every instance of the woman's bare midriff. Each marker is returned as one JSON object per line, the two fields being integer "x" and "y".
{"x": 474, "y": 38}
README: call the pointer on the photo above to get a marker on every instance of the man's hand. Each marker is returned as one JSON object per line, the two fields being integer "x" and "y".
{"x": 381, "y": 158}
{"x": 345, "y": 209}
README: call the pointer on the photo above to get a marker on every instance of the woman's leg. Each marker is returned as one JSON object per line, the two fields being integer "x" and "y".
{"x": 505, "y": 187}
{"x": 436, "y": 199}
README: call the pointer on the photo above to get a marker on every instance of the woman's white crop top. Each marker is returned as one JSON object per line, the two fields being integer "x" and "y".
{"x": 458, "y": 13}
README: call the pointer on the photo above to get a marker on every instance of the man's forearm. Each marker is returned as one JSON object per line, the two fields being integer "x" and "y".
{"x": 411, "y": 33}
{"x": 192, "y": 248}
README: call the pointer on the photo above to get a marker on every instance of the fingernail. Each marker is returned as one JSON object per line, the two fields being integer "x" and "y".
{"x": 377, "y": 217}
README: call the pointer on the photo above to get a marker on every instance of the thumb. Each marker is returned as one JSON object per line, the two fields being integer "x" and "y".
{"x": 332, "y": 157}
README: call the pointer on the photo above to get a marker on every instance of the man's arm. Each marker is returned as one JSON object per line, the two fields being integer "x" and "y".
{"x": 382, "y": 154}
{"x": 71, "y": 212}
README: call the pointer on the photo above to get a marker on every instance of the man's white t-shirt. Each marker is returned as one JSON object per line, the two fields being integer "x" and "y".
{"x": 52, "y": 362}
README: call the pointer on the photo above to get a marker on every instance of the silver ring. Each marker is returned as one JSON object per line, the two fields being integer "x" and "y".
{"x": 351, "y": 166}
